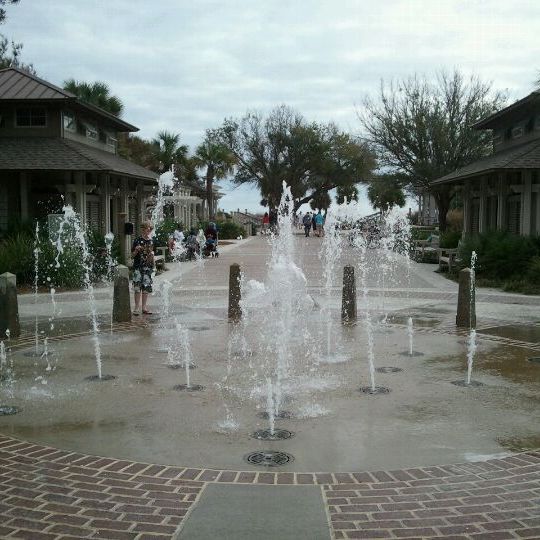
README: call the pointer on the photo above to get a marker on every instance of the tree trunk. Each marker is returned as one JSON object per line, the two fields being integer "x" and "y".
{"x": 210, "y": 192}
{"x": 442, "y": 198}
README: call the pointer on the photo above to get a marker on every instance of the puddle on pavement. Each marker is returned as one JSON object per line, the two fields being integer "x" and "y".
{"x": 531, "y": 334}
{"x": 67, "y": 427}
{"x": 420, "y": 322}
{"x": 500, "y": 361}
{"x": 518, "y": 444}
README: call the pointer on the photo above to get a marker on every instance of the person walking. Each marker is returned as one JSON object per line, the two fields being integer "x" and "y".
{"x": 314, "y": 224}
{"x": 307, "y": 224}
{"x": 142, "y": 252}
{"x": 265, "y": 223}
{"x": 319, "y": 222}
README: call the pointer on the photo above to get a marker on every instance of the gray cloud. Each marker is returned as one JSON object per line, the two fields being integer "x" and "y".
{"x": 185, "y": 65}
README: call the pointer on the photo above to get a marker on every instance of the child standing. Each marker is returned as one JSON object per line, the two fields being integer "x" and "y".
{"x": 143, "y": 267}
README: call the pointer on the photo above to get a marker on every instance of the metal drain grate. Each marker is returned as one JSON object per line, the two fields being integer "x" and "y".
{"x": 388, "y": 369}
{"x": 534, "y": 359}
{"x": 186, "y": 388}
{"x": 376, "y": 390}
{"x": 413, "y": 355}
{"x": 98, "y": 378}
{"x": 464, "y": 383}
{"x": 267, "y": 435}
{"x": 7, "y": 410}
{"x": 281, "y": 414}
{"x": 181, "y": 366}
{"x": 269, "y": 458}
{"x": 198, "y": 328}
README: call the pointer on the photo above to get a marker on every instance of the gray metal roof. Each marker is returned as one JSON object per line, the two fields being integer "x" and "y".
{"x": 19, "y": 85}
{"x": 524, "y": 104}
{"x": 42, "y": 153}
{"x": 524, "y": 156}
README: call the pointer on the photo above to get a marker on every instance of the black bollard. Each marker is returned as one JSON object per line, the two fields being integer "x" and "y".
{"x": 235, "y": 311}
{"x": 9, "y": 307}
{"x": 466, "y": 307}
{"x": 121, "y": 298}
{"x": 348, "y": 301}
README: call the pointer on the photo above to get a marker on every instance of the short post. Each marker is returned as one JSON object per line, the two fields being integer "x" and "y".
{"x": 121, "y": 298}
{"x": 235, "y": 311}
{"x": 9, "y": 306}
{"x": 348, "y": 300}
{"x": 466, "y": 307}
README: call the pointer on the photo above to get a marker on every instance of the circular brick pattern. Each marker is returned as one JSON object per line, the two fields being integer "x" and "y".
{"x": 48, "y": 493}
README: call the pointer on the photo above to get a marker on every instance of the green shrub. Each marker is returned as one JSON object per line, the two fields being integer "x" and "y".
{"x": 230, "y": 230}
{"x": 450, "y": 239}
{"x": 422, "y": 233}
{"x": 17, "y": 257}
{"x": 533, "y": 271}
{"x": 165, "y": 229}
{"x": 500, "y": 255}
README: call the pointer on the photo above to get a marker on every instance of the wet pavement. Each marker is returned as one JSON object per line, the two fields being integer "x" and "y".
{"x": 422, "y": 425}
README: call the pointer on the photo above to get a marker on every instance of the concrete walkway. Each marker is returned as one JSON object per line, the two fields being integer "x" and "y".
{"x": 49, "y": 493}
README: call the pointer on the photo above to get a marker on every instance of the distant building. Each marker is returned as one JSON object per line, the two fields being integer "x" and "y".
{"x": 55, "y": 149}
{"x": 428, "y": 214}
{"x": 188, "y": 205}
{"x": 501, "y": 192}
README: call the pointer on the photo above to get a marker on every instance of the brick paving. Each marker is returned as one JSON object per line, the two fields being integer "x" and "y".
{"x": 49, "y": 494}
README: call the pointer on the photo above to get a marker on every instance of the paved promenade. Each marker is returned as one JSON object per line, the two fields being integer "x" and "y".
{"x": 50, "y": 493}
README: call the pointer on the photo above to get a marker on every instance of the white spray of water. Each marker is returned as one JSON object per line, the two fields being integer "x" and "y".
{"x": 201, "y": 241}
{"x": 166, "y": 287}
{"x": 165, "y": 181}
{"x": 6, "y": 370}
{"x": 410, "y": 332}
{"x": 360, "y": 243}
{"x": 270, "y": 405}
{"x": 71, "y": 220}
{"x": 184, "y": 350}
{"x": 36, "y": 285}
{"x": 471, "y": 346}
{"x": 330, "y": 254}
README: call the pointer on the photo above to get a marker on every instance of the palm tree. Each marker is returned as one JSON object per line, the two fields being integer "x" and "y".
{"x": 219, "y": 163}
{"x": 97, "y": 93}
{"x": 168, "y": 150}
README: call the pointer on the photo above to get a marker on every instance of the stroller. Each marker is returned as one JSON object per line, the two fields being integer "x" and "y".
{"x": 210, "y": 248}
{"x": 192, "y": 246}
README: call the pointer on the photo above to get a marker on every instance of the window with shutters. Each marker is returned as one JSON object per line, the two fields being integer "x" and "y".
{"x": 475, "y": 216}
{"x": 31, "y": 117}
{"x": 132, "y": 214}
{"x": 93, "y": 214}
{"x": 491, "y": 213}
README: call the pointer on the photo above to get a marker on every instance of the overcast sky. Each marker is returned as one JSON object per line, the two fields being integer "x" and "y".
{"x": 184, "y": 65}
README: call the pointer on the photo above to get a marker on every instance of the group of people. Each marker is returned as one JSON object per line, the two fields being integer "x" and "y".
{"x": 269, "y": 222}
{"x": 308, "y": 221}
{"x": 313, "y": 221}
{"x": 142, "y": 252}
{"x": 194, "y": 244}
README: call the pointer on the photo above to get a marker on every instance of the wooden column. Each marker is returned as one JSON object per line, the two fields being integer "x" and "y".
{"x": 466, "y": 208}
{"x": 104, "y": 182}
{"x": 502, "y": 190}
{"x": 526, "y": 195}
{"x": 482, "y": 218}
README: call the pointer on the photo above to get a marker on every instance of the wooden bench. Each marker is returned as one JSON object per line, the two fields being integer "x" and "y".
{"x": 426, "y": 248}
{"x": 447, "y": 258}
